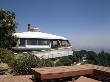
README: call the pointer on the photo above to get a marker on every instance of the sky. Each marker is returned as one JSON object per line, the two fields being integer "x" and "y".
{"x": 86, "y": 23}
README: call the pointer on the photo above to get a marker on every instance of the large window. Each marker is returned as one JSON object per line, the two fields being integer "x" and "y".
{"x": 31, "y": 42}
{"x": 55, "y": 44}
{"x": 22, "y": 42}
{"x": 65, "y": 43}
{"x": 37, "y": 42}
{"x": 43, "y": 42}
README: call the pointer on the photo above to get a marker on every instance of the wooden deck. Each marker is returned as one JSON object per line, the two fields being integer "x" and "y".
{"x": 48, "y": 73}
{"x": 60, "y": 72}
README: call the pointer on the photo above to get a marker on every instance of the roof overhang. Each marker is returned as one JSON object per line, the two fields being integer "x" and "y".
{"x": 38, "y": 35}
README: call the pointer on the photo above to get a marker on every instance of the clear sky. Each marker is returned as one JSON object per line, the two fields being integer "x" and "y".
{"x": 86, "y": 23}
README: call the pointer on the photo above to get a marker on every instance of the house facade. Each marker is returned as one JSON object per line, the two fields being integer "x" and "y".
{"x": 42, "y": 44}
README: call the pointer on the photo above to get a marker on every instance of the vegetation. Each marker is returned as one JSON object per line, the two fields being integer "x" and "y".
{"x": 78, "y": 56}
{"x": 23, "y": 64}
{"x": 6, "y": 56}
{"x": 46, "y": 63}
{"x": 64, "y": 61}
{"x": 91, "y": 57}
{"x": 103, "y": 59}
{"x": 7, "y": 27}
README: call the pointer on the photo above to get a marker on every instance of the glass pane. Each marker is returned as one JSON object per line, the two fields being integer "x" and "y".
{"x": 37, "y": 42}
{"x": 65, "y": 43}
{"x": 43, "y": 42}
{"x": 22, "y": 42}
{"x": 31, "y": 42}
{"x": 54, "y": 44}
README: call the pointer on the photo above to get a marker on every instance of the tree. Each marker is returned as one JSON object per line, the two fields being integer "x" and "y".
{"x": 79, "y": 55}
{"x": 64, "y": 61}
{"x": 104, "y": 58}
{"x": 91, "y": 57}
{"x": 7, "y": 28}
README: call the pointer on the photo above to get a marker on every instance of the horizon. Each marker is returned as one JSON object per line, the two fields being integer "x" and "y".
{"x": 86, "y": 23}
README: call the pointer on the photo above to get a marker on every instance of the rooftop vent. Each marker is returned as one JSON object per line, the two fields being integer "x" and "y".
{"x": 31, "y": 29}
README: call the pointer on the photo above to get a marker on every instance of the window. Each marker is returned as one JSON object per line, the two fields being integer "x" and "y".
{"x": 31, "y": 42}
{"x": 22, "y": 42}
{"x": 37, "y": 42}
{"x": 43, "y": 42}
{"x": 55, "y": 44}
{"x": 65, "y": 43}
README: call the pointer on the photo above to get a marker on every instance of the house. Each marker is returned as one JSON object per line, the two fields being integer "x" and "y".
{"x": 42, "y": 44}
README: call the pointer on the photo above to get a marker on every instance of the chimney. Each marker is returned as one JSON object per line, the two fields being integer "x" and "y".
{"x": 29, "y": 27}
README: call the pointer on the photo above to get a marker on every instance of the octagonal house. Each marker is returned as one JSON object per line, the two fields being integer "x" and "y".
{"x": 41, "y": 44}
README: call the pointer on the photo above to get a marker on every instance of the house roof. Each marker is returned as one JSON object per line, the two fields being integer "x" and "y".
{"x": 40, "y": 35}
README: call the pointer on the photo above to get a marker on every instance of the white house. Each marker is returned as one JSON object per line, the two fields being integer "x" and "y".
{"x": 42, "y": 44}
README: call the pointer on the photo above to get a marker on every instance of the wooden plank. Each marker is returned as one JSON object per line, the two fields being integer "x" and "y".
{"x": 61, "y": 71}
{"x": 47, "y": 73}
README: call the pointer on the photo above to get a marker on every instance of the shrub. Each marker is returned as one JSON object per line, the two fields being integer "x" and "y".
{"x": 59, "y": 63}
{"x": 49, "y": 63}
{"x": 64, "y": 61}
{"x": 24, "y": 63}
{"x": 6, "y": 56}
{"x": 46, "y": 63}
